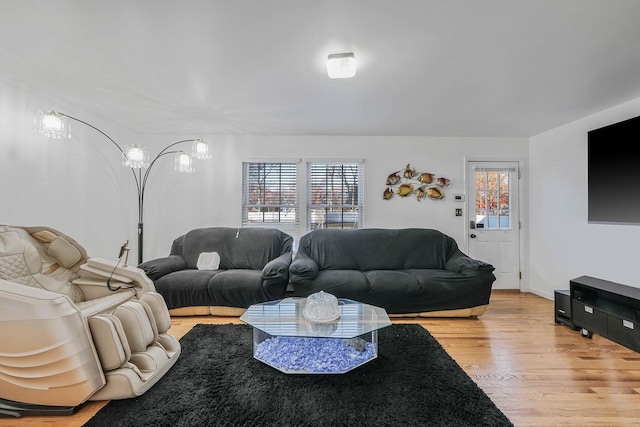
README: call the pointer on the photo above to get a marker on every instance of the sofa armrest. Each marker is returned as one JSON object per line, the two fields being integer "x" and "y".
{"x": 156, "y": 268}
{"x": 461, "y": 263}
{"x": 303, "y": 269}
{"x": 277, "y": 270}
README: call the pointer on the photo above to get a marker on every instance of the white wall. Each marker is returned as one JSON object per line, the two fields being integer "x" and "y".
{"x": 212, "y": 196}
{"x": 562, "y": 245}
{"x": 76, "y": 186}
{"x": 79, "y": 186}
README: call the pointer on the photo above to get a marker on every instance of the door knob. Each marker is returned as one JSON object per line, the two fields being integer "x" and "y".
{"x": 473, "y": 236}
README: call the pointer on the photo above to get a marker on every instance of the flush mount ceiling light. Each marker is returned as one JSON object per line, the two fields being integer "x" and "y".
{"x": 341, "y": 65}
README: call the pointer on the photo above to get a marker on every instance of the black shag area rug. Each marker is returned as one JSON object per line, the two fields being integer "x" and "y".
{"x": 217, "y": 382}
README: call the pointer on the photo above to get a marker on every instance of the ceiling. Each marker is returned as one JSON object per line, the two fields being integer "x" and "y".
{"x": 466, "y": 68}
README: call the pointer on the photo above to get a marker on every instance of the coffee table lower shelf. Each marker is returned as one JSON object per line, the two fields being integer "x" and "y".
{"x": 314, "y": 355}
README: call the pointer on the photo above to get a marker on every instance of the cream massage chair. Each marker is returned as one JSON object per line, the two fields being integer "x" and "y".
{"x": 74, "y": 329}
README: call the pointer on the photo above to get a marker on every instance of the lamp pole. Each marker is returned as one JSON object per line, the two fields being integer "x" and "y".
{"x": 140, "y": 179}
{"x": 141, "y": 183}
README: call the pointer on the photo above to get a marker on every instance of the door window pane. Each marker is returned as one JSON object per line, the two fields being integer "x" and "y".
{"x": 493, "y": 199}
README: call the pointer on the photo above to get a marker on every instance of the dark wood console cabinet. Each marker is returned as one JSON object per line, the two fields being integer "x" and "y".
{"x": 606, "y": 308}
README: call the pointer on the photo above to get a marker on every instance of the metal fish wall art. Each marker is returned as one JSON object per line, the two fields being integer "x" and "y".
{"x": 405, "y": 189}
{"x": 428, "y": 184}
{"x": 394, "y": 178}
{"x": 388, "y": 193}
{"x": 409, "y": 172}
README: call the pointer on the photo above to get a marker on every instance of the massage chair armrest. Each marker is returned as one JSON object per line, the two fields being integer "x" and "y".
{"x": 98, "y": 274}
{"x": 463, "y": 264}
{"x": 303, "y": 269}
{"x": 156, "y": 268}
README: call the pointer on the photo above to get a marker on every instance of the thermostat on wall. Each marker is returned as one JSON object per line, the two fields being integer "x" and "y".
{"x": 458, "y": 197}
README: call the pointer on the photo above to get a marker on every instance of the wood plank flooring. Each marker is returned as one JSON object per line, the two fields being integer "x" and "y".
{"x": 537, "y": 372}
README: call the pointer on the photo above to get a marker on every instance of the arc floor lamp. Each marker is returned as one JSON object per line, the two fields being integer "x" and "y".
{"x": 54, "y": 124}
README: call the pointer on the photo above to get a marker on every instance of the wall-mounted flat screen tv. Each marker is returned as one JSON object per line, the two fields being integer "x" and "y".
{"x": 614, "y": 173}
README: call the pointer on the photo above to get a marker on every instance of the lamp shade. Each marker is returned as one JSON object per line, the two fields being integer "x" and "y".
{"x": 200, "y": 149}
{"x": 52, "y": 124}
{"x": 135, "y": 156}
{"x": 184, "y": 162}
{"x": 341, "y": 65}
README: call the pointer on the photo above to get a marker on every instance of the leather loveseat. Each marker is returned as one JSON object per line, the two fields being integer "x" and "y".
{"x": 416, "y": 272}
{"x": 222, "y": 271}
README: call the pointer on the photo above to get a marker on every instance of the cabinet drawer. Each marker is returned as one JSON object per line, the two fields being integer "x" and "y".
{"x": 625, "y": 332}
{"x": 589, "y": 317}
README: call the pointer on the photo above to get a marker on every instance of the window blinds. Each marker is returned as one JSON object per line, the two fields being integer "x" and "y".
{"x": 270, "y": 196}
{"x": 335, "y": 194}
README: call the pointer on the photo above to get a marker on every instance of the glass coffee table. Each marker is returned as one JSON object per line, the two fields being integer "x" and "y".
{"x": 284, "y": 339}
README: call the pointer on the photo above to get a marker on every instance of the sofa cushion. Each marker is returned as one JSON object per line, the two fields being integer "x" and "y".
{"x": 377, "y": 249}
{"x": 230, "y": 288}
{"x": 239, "y": 248}
{"x": 403, "y": 291}
{"x": 341, "y": 283}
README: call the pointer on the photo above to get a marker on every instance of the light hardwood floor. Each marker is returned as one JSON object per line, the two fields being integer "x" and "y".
{"x": 537, "y": 372}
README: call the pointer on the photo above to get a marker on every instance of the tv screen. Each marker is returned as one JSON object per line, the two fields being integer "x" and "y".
{"x": 614, "y": 173}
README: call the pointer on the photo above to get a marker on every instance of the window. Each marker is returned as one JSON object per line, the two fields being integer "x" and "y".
{"x": 493, "y": 198}
{"x": 270, "y": 196}
{"x": 333, "y": 190}
{"x": 334, "y": 195}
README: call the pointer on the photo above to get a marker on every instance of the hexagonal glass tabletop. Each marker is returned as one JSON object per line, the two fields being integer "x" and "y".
{"x": 284, "y": 318}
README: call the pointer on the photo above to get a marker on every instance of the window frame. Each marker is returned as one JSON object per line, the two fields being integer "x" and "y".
{"x": 343, "y": 217}
{"x": 303, "y": 205}
{"x": 290, "y": 227}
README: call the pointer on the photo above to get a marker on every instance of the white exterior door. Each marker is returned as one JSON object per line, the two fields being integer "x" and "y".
{"x": 494, "y": 226}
